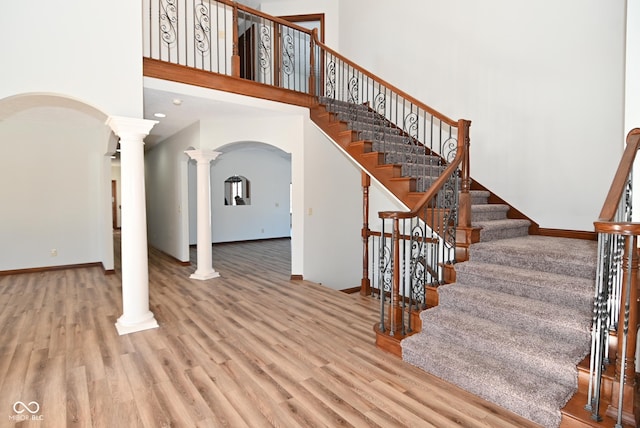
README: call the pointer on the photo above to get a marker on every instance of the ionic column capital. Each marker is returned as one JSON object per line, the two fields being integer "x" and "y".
{"x": 129, "y": 127}
{"x": 202, "y": 155}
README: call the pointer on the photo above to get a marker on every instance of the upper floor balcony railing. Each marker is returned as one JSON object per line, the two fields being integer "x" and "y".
{"x": 228, "y": 38}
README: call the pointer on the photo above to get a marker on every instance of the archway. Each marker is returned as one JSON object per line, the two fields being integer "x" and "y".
{"x": 57, "y": 206}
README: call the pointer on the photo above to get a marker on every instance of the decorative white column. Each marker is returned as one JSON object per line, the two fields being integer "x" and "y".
{"x": 203, "y": 160}
{"x": 136, "y": 315}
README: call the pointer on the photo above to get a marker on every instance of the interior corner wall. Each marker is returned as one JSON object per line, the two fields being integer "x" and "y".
{"x": 333, "y": 214}
{"x": 542, "y": 83}
{"x": 52, "y": 200}
{"x": 73, "y": 48}
{"x": 165, "y": 177}
{"x": 268, "y": 214}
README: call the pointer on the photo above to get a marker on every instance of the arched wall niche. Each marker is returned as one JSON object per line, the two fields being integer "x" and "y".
{"x": 57, "y": 210}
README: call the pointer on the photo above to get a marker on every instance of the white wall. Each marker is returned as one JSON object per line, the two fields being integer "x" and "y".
{"x": 269, "y": 173}
{"x": 81, "y": 48}
{"x": 333, "y": 214}
{"x": 541, "y": 81}
{"x": 52, "y": 196}
{"x": 167, "y": 192}
{"x": 632, "y": 90}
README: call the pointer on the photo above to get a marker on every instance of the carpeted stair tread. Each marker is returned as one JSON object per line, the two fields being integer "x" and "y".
{"x": 529, "y": 395}
{"x": 488, "y": 212}
{"x": 331, "y": 103}
{"x": 362, "y": 126}
{"x": 399, "y": 148}
{"x": 381, "y": 135}
{"x": 575, "y": 257}
{"x": 502, "y": 229}
{"x": 532, "y": 352}
{"x": 479, "y": 197}
{"x": 535, "y": 284}
{"x": 527, "y": 314}
{"x": 363, "y": 117}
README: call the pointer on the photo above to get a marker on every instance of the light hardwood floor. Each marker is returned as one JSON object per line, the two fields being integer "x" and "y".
{"x": 248, "y": 349}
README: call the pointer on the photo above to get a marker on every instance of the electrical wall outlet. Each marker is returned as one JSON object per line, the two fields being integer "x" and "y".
{"x": 54, "y": 252}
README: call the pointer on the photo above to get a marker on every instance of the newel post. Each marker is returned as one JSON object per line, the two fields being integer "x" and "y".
{"x": 312, "y": 65}
{"x": 623, "y": 394}
{"x": 395, "y": 312}
{"x": 235, "y": 56}
{"x": 365, "y": 285}
{"x": 464, "y": 218}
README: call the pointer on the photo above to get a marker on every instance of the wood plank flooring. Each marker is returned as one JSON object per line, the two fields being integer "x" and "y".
{"x": 248, "y": 349}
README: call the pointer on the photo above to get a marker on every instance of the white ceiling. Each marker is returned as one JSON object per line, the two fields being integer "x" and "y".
{"x": 197, "y": 104}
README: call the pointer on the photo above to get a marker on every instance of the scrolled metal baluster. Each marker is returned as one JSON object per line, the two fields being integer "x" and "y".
{"x": 264, "y": 51}
{"x": 410, "y": 124}
{"x": 288, "y": 55}
{"x": 449, "y": 149}
{"x": 418, "y": 264}
{"x": 379, "y": 104}
{"x": 352, "y": 89}
{"x": 202, "y": 28}
{"x": 330, "y": 86}
{"x": 168, "y": 22}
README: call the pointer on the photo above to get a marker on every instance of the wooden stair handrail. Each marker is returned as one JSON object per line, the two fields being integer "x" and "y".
{"x": 375, "y": 78}
{"x": 623, "y": 392}
{"x": 608, "y": 212}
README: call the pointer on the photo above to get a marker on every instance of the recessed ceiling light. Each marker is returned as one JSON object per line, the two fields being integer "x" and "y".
{"x": 177, "y": 101}
{"x": 160, "y": 115}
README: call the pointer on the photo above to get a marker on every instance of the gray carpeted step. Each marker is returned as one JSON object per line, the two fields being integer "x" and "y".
{"x": 479, "y": 197}
{"x": 410, "y": 169}
{"x": 574, "y": 257}
{"x": 533, "y": 353}
{"x": 331, "y": 103}
{"x": 423, "y": 183}
{"x": 363, "y": 117}
{"x": 404, "y": 157}
{"x": 362, "y": 126}
{"x": 360, "y": 109}
{"x": 546, "y": 286}
{"x": 383, "y": 134}
{"x": 502, "y": 229}
{"x": 532, "y": 396}
{"x": 489, "y": 212}
{"x": 529, "y": 315}
{"x": 399, "y": 148}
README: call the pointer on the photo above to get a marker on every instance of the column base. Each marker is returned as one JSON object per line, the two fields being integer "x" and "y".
{"x": 204, "y": 276}
{"x": 125, "y": 327}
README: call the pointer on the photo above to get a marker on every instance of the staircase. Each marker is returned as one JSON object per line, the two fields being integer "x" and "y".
{"x": 515, "y": 324}
{"x": 514, "y": 328}
{"x": 387, "y": 152}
